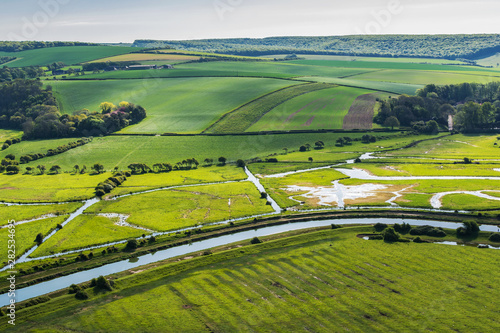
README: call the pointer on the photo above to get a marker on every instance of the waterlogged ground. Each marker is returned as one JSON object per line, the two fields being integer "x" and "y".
{"x": 153, "y": 204}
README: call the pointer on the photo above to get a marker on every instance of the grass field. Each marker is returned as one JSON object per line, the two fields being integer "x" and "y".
{"x": 375, "y": 59}
{"x": 214, "y": 174}
{"x": 9, "y": 134}
{"x": 426, "y": 77}
{"x": 148, "y": 57}
{"x": 22, "y": 213}
{"x": 326, "y": 281}
{"x": 354, "y": 82}
{"x": 172, "y": 104}
{"x": 187, "y": 207}
{"x": 121, "y": 151}
{"x": 70, "y": 55}
{"x": 26, "y": 233}
{"x": 468, "y": 202}
{"x": 477, "y": 147}
{"x": 81, "y": 233}
{"x": 437, "y": 169}
{"x": 48, "y": 188}
{"x": 324, "y": 109}
{"x": 242, "y": 118}
{"x": 393, "y": 65}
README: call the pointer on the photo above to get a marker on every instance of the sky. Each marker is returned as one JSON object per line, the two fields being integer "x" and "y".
{"x": 127, "y": 20}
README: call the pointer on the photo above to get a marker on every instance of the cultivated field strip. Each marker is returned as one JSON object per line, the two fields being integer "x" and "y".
{"x": 332, "y": 285}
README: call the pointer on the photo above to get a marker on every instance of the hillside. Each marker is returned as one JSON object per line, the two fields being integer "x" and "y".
{"x": 429, "y": 46}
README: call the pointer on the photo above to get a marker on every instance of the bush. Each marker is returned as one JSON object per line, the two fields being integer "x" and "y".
{"x": 2, "y": 313}
{"x": 255, "y": 240}
{"x": 240, "y": 163}
{"x": 390, "y": 235}
{"x": 81, "y": 295}
{"x": 379, "y": 227}
{"x": 402, "y": 229}
{"x": 207, "y": 253}
{"x": 132, "y": 244}
{"x": 376, "y": 237}
{"x": 102, "y": 283}
{"x": 336, "y": 226}
{"x": 39, "y": 238}
{"x": 418, "y": 240}
{"x": 73, "y": 289}
{"x": 470, "y": 228}
{"x": 495, "y": 238}
{"x": 427, "y": 230}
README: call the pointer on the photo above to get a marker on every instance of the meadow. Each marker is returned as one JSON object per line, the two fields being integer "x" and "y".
{"x": 81, "y": 233}
{"x": 172, "y": 105}
{"x": 322, "y": 109}
{"x": 324, "y": 281}
{"x": 242, "y": 118}
{"x": 120, "y": 151}
{"x": 404, "y": 169}
{"x": 25, "y": 235}
{"x": 49, "y": 188}
{"x": 23, "y": 213}
{"x": 188, "y": 206}
{"x": 70, "y": 55}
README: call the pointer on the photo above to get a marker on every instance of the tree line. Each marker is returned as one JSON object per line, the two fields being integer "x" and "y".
{"x": 26, "y": 105}
{"x": 419, "y": 46}
{"x": 474, "y": 107}
{"x": 9, "y": 46}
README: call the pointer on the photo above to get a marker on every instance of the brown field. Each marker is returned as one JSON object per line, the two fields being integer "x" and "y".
{"x": 360, "y": 115}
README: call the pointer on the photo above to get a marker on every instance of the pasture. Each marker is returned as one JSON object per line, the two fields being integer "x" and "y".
{"x": 120, "y": 151}
{"x": 81, "y": 233}
{"x": 323, "y": 109}
{"x": 187, "y": 206}
{"x": 23, "y": 213}
{"x": 172, "y": 105}
{"x": 70, "y": 55}
{"x": 323, "y": 281}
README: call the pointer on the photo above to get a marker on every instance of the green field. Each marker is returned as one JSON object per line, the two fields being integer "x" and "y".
{"x": 172, "y": 104}
{"x": 426, "y": 77}
{"x": 25, "y": 235}
{"x": 22, "y": 213}
{"x": 81, "y": 233}
{"x": 242, "y": 118}
{"x": 354, "y": 82}
{"x": 324, "y": 109}
{"x": 70, "y": 55}
{"x": 327, "y": 281}
{"x": 187, "y": 207}
{"x": 48, "y": 188}
{"x": 435, "y": 169}
{"x": 214, "y": 174}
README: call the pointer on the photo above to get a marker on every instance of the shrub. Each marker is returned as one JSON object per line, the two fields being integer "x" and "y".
{"x": 39, "y": 238}
{"x": 240, "y": 163}
{"x": 73, "y": 289}
{"x": 418, "y": 240}
{"x": 390, "y": 235}
{"x": 263, "y": 195}
{"x": 495, "y": 238}
{"x": 379, "y": 227}
{"x": 336, "y": 226}
{"x": 2, "y": 313}
{"x": 132, "y": 244}
{"x": 207, "y": 253}
{"x": 376, "y": 237}
{"x": 427, "y": 230}
{"x": 470, "y": 228}
{"x": 152, "y": 239}
{"x": 102, "y": 283}
{"x": 255, "y": 240}
{"x": 81, "y": 295}
{"x": 403, "y": 229}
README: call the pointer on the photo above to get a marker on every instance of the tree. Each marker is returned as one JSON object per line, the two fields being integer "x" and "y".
{"x": 107, "y": 107}
{"x": 390, "y": 235}
{"x": 222, "y": 160}
{"x": 39, "y": 238}
{"x": 302, "y": 149}
{"x": 13, "y": 169}
{"x": 319, "y": 145}
{"x": 286, "y": 150}
{"x": 55, "y": 169}
{"x": 76, "y": 168}
{"x": 41, "y": 169}
{"x": 98, "y": 168}
{"x": 469, "y": 229}
{"x": 392, "y": 122}
{"x": 240, "y": 163}
{"x": 310, "y": 159}
{"x": 103, "y": 284}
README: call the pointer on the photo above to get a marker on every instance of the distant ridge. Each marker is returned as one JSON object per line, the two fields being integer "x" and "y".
{"x": 420, "y": 46}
